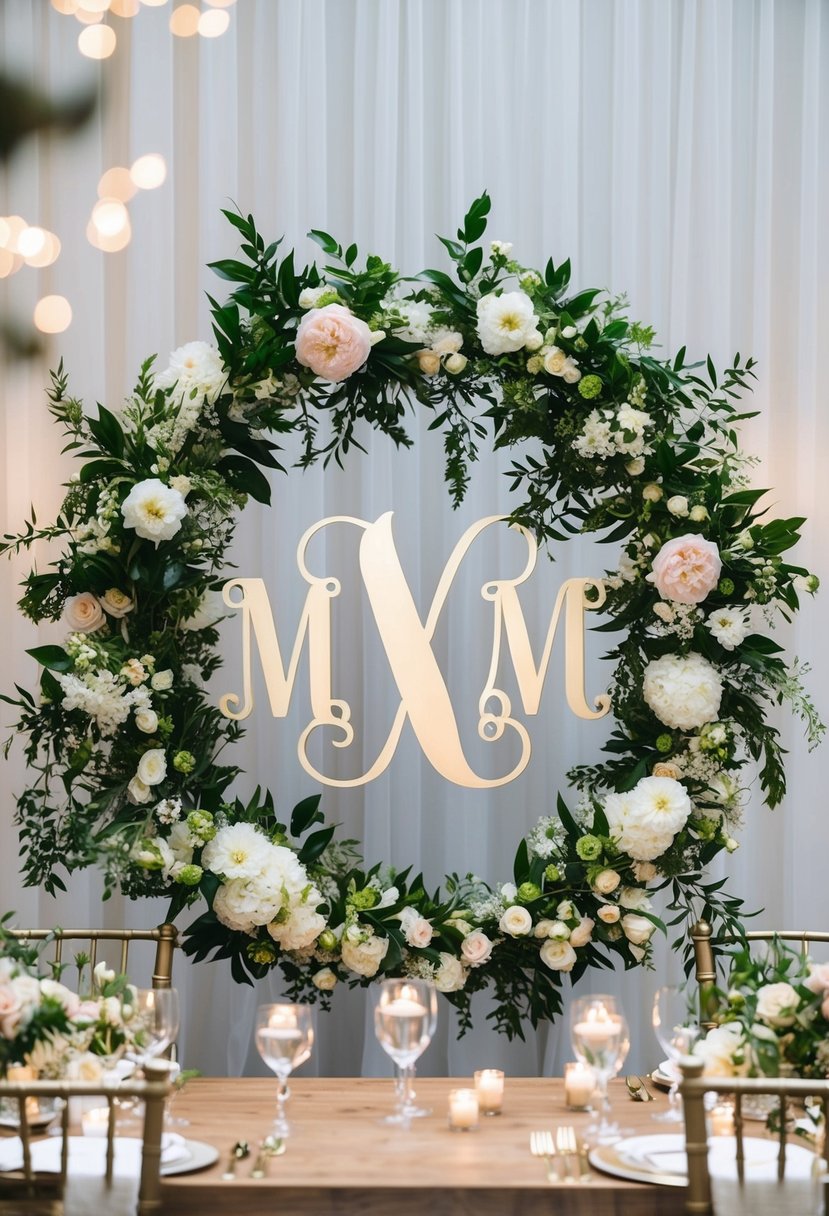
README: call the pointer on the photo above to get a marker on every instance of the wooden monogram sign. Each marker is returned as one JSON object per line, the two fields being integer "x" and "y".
{"x": 407, "y": 641}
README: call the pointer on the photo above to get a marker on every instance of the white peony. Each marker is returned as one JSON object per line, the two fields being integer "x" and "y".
{"x": 152, "y": 767}
{"x": 516, "y": 921}
{"x": 558, "y": 956}
{"x": 242, "y": 905}
{"x": 729, "y": 626}
{"x": 777, "y": 1004}
{"x": 195, "y": 367}
{"x": 683, "y": 691}
{"x": 364, "y": 958}
{"x": 450, "y": 973}
{"x": 641, "y": 842}
{"x": 661, "y": 803}
{"x": 239, "y": 850}
{"x": 505, "y": 322}
{"x": 302, "y": 928}
{"x": 153, "y": 510}
{"x": 210, "y": 609}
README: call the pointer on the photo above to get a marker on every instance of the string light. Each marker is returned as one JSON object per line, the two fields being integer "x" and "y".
{"x": 97, "y": 41}
{"x": 184, "y": 21}
{"x": 213, "y": 22}
{"x": 53, "y": 314}
{"x": 149, "y": 171}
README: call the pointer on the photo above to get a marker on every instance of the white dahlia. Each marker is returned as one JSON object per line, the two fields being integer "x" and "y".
{"x": 238, "y": 851}
{"x": 194, "y": 366}
{"x": 662, "y": 803}
{"x": 505, "y": 322}
{"x": 153, "y": 510}
{"x": 643, "y": 821}
{"x": 729, "y": 626}
{"x": 683, "y": 691}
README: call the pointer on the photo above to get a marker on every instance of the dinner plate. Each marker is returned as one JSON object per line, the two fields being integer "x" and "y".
{"x": 87, "y": 1155}
{"x": 661, "y": 1159}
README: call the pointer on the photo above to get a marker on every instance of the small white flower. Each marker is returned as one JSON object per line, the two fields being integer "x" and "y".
{"x": 310, "y": 297}
{"x": 153, "y": 510}
{"x": 569, "y": 332}
{"x": 502, "y": 248}
{"x": 729, "y": 626}
{"x": 162, "y": 680}
{"x": 678, "y": 505}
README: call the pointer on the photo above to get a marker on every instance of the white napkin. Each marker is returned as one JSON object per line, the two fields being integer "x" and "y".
{"x": 666, "y": 1154}
{"x": 87, "y": 1154}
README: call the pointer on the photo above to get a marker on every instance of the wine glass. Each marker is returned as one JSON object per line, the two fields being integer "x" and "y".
{"x": 156, "y": 1020}
{"x": 676, "y": 1027}
{"x": 600, "y": 1038}
{"x": 405, "y": 1016}
{"x": 284, "y": 1038}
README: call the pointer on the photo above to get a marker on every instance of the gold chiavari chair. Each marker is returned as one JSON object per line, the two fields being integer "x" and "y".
{"x": 757, "y": 1198}
{"x": 705, "y": 949}
{"x": 28, "y": 1192}
{"x": 165, "y": 936}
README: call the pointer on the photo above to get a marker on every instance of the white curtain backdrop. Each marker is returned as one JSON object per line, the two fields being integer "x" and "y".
{"x": 677, "y": 151}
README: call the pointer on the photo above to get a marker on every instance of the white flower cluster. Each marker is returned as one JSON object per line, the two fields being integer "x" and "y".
{"x": 103, "y": 696}
{"x": 546, "y": 837}
{"x": 262, "y": 884}
{"x": 684, "y": 691}
{"x": 609, "y": 433}
{"x": 93, "y": 536}
{"x": 197, "y": 376}
{"x": 645, "y": 820}
{"x": 675, "y": 618}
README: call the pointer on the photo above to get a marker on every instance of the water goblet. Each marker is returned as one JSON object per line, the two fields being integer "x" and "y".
{"x": 405, "y": 1016}
{"x": 156, "y": 1021}
{"x": 284, "y": 1038}
{"x": 600, "y": 1038}
{"x": 677, "y": 1029}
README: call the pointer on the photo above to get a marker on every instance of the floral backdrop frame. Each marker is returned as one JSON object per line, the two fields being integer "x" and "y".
{"x": 126, "y": 747}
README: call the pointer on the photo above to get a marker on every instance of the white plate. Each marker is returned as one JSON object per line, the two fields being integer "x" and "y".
{"x": 87, "y": 1155}
{"x": 661, "y": 1159}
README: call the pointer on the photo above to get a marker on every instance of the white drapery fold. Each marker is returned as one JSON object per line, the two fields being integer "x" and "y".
{"x": 675, "y": 150}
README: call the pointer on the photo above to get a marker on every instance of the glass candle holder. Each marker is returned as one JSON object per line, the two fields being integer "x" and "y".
{"x": 579, "y": 1084}
{"x": 463, "y": 1110}
{"x": 489, "y": 1086}
{"x": 95, "y": 1121}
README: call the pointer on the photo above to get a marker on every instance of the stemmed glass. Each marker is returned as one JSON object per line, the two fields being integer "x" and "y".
{"x": 156, "y": 1018}
{"x": 600, "y": 1038}
{"x": 676, "y": 1028}
{"x": 405, "y": 1016}
{"x": 284, "y": 1038}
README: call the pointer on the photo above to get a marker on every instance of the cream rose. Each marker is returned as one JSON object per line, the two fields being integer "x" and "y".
{"x": 558, "y": 956}
{"x": 364, "y": 958}
{"x": 608, "y": 913}
{"x": 686, "y": 569}
{"x": 152, "y": 767}
{"x": 476, "y": 948}
{"x": 516, "y": 921}
{"x": 324, "y": 979}
{"x": 138, "y": 791}
{"x": 332, "y": 342}
{"x": 777, "y": 1004}
{"x": 429, "y": 362}
{"x": 147, "y": 721}
{"x": 450, "y": 973}
{"x": 606, "y": 881}
{"x": 83, "y": 613}
{"x": 678, "y": 505}
{"x": 162, "y": 680}
{"x": 637, "y": 929}
{"x": 583, "y": 932}
{"x": 116, "y": 603}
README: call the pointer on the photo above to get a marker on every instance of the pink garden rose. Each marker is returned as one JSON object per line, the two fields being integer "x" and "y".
{"x": 476, "y": 948}
{"x": 332, "y": 342}
{"x": 817, "y": 980}
{"x": 686, "y": 569}
{"x": 11, "y": 1012}
{"x": 82, "y": 613}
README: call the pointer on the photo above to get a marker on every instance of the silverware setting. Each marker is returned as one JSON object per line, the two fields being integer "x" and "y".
{"x": 271, "y": 1146}
{"x": 240, "y": 1150}
{"x": 638, "y": 1090}
{"x": 565, "y": 1156}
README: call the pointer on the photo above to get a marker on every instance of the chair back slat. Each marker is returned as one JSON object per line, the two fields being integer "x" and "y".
{"x": 164, "y": 936}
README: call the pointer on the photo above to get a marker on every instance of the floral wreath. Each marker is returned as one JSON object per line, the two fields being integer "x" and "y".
{"x": 608, "y": 439}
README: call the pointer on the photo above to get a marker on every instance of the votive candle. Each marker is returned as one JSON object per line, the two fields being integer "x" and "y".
{"x": 463, "y": 1110}
{"x": 579, "y": 1083}
{"x": 721, "y": 1120}
{"x": 95, "y": 1121}
{"x": 489, "y": 1086}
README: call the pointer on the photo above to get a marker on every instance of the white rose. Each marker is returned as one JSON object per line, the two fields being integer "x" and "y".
{"x": 608, "y": 913}
{"x": 147, "y": 721}
{"x": 310, "y": 297}
{"x": 635, "y": 899}
{"x": 606, "y": 881}
{"x": 637, "y": 929}
{"x": 449, "y": 343}
{"x": 138, "y": 791}
{"x": 558, "y": 956}
{"x": 777, "y": 1004}
{"x": 302, "y": 928}
{"x": 644, "y": 871}
{"x": 677, "y": 504}
{"x": 505, "y": 321}
{"x": 698, "y": 513}
{"x": 583, "y": 932}
{"x": 162, "y": 680}
{"x": 634, "y": 467}
{"x": 534, "y": 341}
{"x": 365, "y": 958}
{"x": 152, "y": 767}
{"x": 652, "y": 492}
{"x": 242, "y": 905}
{"x": 555, "y": 360}
{"x": 83, "y": 613}
{"x": 153, "y": 510}
{"x": 571, "y": 373}
{"x": 558, "y": 930}
{"x": 565, "y": 910}
{"x": 476, "y": 948}
{"x": 450, "y": 973}
{"x": 718, "y": 1049}
{"x": 428, "y": 362}
{"x": 324, "y": 979}
{"x": 417, "y": 931}
{"x": 684, "y": 691}
{"x": 60, "y": 993}
{"x": 455, "y": 364}
{"x": 545, "y": 928}
{"x": 516, "y": 921}
{"x": 116, "y": 603}
{"x": 508, "y": 892}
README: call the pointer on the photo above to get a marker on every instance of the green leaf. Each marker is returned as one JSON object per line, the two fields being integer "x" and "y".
{"x": 53, "y": 658}
{"x": 304, "y": 814}
{"x": 243, "y": 475}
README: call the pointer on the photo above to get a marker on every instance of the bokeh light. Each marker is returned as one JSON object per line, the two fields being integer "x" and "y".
{"x": 213, "y": 22}
{"x": 117, "y": 183}
{"x": 125, "y": 8}
{"x": 47, "y": 254}
{"x": 184, "y": 21}
{"x": 31, "y": 242}
{"x": 149, "y": 171}
{"x": 154, "y": 3}
{"x": 87, "y": 18}
{"x": 110, "y": 216}
{"x": 220, "y": 3}
{"x": 53, "y": 314}
{"x": 97, "y": 41}
{"x": 12, "y": 226}
{"x": 66, "y": 7}
{"x": 94, "y": 6}
{"x": 8, "y": 263}
{"x": 109, "y": 242}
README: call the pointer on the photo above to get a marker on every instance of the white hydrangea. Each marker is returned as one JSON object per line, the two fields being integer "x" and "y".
{"x": 684, "y": 691}
{"x": 153, "y": 510}
{"x": 103, "y": 696}
{"x": 195, "y": 367}
{"x": 505, "y": 322}
{"x": 729, "y": 626}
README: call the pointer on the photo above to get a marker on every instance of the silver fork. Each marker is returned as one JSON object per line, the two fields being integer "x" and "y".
{"x": 541, "y": 1145}
{"x": 568, "y": 1150}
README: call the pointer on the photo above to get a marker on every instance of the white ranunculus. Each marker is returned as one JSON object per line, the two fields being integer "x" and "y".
{"x": 152, "y": 767}
{"x": 364, "y": 958}
{"x": 606, "y": 881}
{"x": 147, "y": 721}
{"x": 558, "y": 956}
{"x": 138, "y": 791}
{"x": 324, "y": 979}
{"x": 729, "y": 626}
{"x": 583, "y": 932}
{"x": 301, "y": 929}
{"x": 476, "y": 948}
{"x": 210, "y": 609}
{"x": 505, "y": 322}
{"x": 516, "y": 921}
{"x": 195, "y": 366}
{"x": 637, "y": 929}
{"x": 684, "y": 691}
{"x": 777, "y": 1004}
{"x": 450, "y": 973}
{"x": 153, "y": 510}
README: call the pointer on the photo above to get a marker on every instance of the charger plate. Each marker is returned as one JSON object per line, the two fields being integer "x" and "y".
{"x": 87, "y": 1155}
{"x": 661, "y": 1159}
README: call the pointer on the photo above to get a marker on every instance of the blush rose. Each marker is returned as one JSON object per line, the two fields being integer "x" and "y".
{"x": 332, "y": 342}
{"x": 686, "y": 569}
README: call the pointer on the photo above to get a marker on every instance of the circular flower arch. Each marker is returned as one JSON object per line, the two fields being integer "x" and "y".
{"x": 126, "y": 748}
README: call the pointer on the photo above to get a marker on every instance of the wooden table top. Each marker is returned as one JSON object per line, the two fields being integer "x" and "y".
{"x": 342, "y": 1160}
